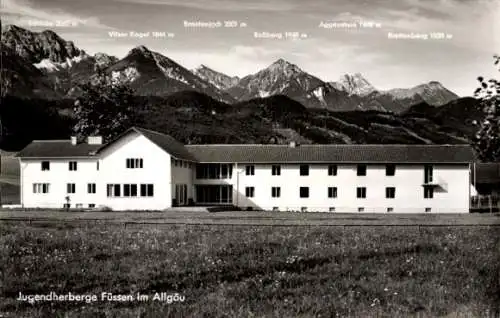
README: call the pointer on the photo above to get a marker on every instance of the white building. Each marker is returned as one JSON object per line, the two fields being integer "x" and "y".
{"x": 146, "y": 170}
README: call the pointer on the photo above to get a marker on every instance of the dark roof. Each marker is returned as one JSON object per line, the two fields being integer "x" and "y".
{"x": 333, "y": 153}
{"x": 57, "y": 149}
{"x": 265, "y": 153}
{"x": 486, "y": 173}
{"x": 64, "y": 148}
{"x": 167, "y": 143}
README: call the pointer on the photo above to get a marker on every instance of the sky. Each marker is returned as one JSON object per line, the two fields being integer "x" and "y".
{"x": 392, "y": 43}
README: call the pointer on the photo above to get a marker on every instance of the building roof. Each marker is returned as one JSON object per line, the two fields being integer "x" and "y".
{"x": 486, "y": 173}
{"x": 167, "y": 143}
{"x": 64, "y": 148}
{"x": 265, "y": 153}
{"x": 57, "y": 149}
{"x": 333, "y": 153}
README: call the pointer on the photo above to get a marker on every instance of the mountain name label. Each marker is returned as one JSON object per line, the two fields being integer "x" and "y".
{"x": 141, "y": 35}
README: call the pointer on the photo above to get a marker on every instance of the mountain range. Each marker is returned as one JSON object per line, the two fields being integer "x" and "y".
{"x": 64, "y": 66}
{"x": 42, "y": 72}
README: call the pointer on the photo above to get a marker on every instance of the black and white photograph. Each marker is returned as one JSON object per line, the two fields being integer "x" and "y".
{"x": 249, "y": 158}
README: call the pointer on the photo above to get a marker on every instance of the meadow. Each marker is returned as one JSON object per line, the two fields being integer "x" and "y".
{"x": 252, "y": 271}
{"x": 9, "y": 178}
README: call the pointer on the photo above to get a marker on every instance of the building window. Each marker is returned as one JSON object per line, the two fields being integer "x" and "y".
{"x": 428, "y": 193}
{"x": 134, "y": 163}
{"x": 331, "y": 209}
{"x": 45, "y": 165}
{"x": 41, "y": 187}
{"x": 72, "y": 166}
{"x": 275, "y": 192}
{"x": 113, "y": 190}
{"x": 130, "y": 190}
{"x": 147, "y": 190}
{"x": 428, "y": 174}
{"x": 304, "y": 192}
{"x": 390, "y": 170}
{"x": 361, "y": 209}
{"x": 361, "y": 171}
{"x": 332, "y": 170}
{"x": 91, "y": 205}
{"x": 250, "y": 170}
{"x": 390, "y": 192}
{"x": 224, "y": 171}
{"x": 249, "y": 192}
{"x": 428, "y": 209}
{"x": 214, "y": 171}
{"x": 304, "y": 170}
{"x": 91, "y": 188}
{"x": 276, "y": 170}
{"x": 70, "y": 188}
{"x": 332, "y": 192}
{"x": 361, "y": 193}
{"x": 390, "y": 209}
{"x": 97, "y": 165}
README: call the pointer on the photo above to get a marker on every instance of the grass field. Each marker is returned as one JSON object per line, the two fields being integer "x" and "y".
{"x": 250, "y": 271}
{"x": 9, "y": 179}
{"x": 10, "y": 164}
{"x": 195, "y": 216}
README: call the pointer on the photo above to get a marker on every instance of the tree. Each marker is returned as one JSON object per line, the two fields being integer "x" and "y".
{"x": 106, "y": 107}
{"x": 487, "y": 139}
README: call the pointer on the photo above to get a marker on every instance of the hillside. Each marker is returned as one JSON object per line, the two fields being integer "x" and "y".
{"x": 193, "y": 117}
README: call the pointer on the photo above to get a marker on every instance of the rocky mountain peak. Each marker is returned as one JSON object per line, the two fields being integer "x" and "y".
{"x": 218, "y": 79}
{"x": 37, "y": 46}
{"x": 104, "y": 60}
{"x": 141, "y": 50}
{"x": 354, "y": 84}
{"x": 284, "y": 66}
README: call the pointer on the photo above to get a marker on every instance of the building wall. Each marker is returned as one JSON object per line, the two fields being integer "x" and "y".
{"x": 112, "y": 170}
{"x": 452, "y": 197}
{"x": 182, "y": 174}
{"x": 156, "y": 170}
{"x": 58, "y": 176}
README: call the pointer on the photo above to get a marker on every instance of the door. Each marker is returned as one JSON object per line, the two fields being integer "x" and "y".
{"x": 181, "y": 194}
{"x": 185, "y": 196}
{"x": 177, "y": 194}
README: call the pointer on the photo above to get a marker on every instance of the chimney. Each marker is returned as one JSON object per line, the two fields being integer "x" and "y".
{"x": 94, "y": 140}
{"x": 293, "y": 144}
{"x": 73, "y": 140}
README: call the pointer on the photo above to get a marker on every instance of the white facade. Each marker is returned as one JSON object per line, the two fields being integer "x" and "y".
{"x": 156, "y": 170}
{"x": 107, "y": 168}
{"x": 450, "y": 194}
{"x": 182, "y": 180}
{"x": 57, "y": 178}
{"x": 149, "y": 178}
